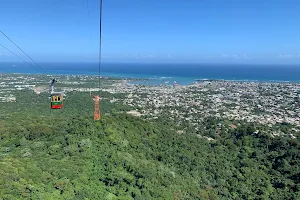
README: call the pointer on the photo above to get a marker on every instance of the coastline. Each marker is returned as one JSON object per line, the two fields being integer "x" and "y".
{"x": 165, "y": 74}
{"x": 156, "y": 80}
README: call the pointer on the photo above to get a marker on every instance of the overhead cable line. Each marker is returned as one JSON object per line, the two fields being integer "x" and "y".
{"x": 100, "y": 41}
{"x": 22, "y": 51}
{"x": 17, "y": 56}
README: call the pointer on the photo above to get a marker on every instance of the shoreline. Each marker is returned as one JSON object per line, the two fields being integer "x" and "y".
{"x": 150, "y": 81}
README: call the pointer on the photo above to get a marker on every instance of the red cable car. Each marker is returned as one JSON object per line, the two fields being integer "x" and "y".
{"x": 56, "y": 97}
{"x": 56, "y": 100}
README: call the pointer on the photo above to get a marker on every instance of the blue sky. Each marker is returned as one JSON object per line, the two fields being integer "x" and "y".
{"x": 217, "y": 31}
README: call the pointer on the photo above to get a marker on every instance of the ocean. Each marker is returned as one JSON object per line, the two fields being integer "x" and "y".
{"x": 183, "y": 74}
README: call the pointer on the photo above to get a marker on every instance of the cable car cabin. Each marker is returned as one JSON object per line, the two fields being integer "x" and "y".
{"x": 56, "y": 100}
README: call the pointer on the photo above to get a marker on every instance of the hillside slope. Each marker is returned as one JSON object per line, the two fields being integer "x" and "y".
{"x": 66, "y": 155}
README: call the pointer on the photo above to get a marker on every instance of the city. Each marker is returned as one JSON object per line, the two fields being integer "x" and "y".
{"x": 266, "y": 103}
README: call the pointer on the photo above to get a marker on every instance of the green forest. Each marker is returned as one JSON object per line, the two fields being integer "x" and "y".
{"x": 65, "y": 154}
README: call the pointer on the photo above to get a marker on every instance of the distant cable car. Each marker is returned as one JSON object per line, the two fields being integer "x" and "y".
{"x": 57, "y": 100}
{"x": 56, "y": 97}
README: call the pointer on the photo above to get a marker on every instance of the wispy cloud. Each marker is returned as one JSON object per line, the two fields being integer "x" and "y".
{"x": 285, "y": 56}
{"x": 236, "y": 56}
{"x": 289, "y": 56}
{"x": 137, "y": 56}
{"x": 151, "y": 56}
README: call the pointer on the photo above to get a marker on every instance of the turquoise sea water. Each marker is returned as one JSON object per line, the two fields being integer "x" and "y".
{"x": 167, "y": 73}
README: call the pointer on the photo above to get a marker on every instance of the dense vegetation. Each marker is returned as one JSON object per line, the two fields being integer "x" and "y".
{"x": 66, "y": 155}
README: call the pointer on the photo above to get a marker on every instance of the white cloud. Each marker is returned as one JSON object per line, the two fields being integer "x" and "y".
{"x": 236, "y": 56}
{"x": 289, "y": 56}
{"x": 285, "y": 56}
{"x": 139, "y": 56}
{"x": 225, "y": 55}
{"x": 246, "y": 57}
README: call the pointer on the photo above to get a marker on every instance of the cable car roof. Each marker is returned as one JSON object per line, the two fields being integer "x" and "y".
{"x": 56, "y": 93}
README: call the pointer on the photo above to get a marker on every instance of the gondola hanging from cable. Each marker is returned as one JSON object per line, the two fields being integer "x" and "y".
{"x": 55, "y": 97}
{"x": 57, "y": 100}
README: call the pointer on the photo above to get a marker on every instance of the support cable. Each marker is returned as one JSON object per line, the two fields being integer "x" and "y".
{"x": 100, "y": 43}
{"x": 17, "y": 56}
{"x": 22, "y": 51}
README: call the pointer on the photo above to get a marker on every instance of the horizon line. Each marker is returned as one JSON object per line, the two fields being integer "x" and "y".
{"x": 149, "y": 63}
